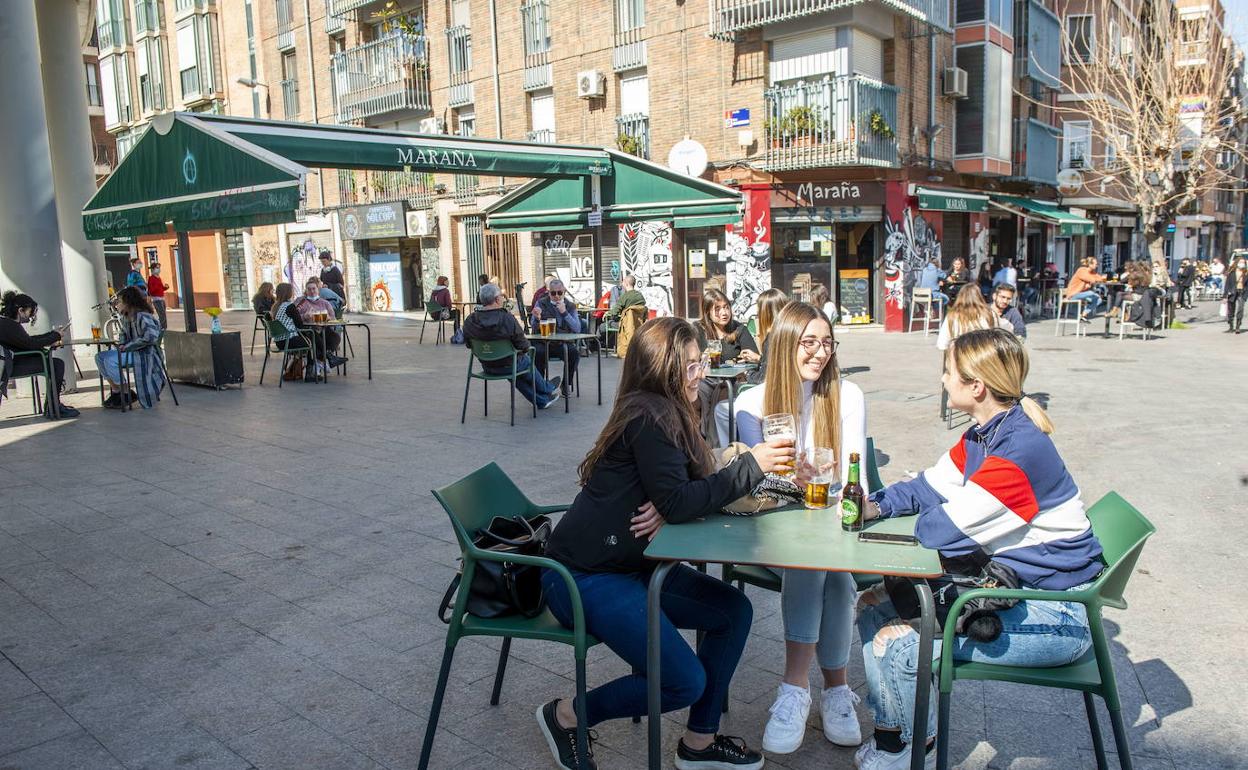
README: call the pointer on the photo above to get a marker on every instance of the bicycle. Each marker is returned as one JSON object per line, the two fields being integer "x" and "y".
{"x": 113, "y": 326}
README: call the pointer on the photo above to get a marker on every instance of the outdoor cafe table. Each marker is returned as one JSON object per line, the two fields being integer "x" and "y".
{"x": 101, "y": 343}
{"x": 729, "y": 374}
{"x": 569, "y": 339}
{"x": 1110, "y": 288}
{"x": 790, "y": 538}
{"x": 319, "y": 327}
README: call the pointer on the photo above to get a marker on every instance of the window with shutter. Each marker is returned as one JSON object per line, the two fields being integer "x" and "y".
{"x": 635, "y": 94}
{"x": 810, "y": 55}
{"x": 542, "y": 111}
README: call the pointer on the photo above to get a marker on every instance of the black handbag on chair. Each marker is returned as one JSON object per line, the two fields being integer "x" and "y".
{"x": 978, "y": 617}
{"x": 504, "y": 588}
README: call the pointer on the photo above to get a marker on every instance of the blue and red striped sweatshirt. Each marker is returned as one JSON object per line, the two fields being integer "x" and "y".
{"x": 1003, "y": 488}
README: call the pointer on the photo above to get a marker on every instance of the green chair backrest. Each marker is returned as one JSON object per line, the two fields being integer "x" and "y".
{"x": 873, "y": 469}
{"x": 492, "y": 350}
{"x": 1122, "y": 531}
{"x": 473, "y": 501}
{"x": 433, "y": 309}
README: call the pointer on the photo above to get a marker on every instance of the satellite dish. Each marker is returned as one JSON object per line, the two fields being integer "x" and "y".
{"x": 688, "y": 157}
{"x": 1069, "y": 181}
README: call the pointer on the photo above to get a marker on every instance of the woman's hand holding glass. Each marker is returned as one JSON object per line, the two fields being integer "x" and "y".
{"x": 775, "y": 455}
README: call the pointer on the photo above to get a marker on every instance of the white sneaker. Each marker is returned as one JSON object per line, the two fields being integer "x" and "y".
{"x": 840, "y": 723}
{"x": 868, "y": 757}
{"x": 787, "y": 725}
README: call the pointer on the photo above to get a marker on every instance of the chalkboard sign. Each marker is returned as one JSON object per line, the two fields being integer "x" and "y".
{"x": 855, "y": 293}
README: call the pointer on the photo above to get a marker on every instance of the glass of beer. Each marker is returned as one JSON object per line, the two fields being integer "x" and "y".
{"x": 548, "y": 326}
{"x": 822, "y": 462}
{"x": 95, "y": 331}
{"x": 715, "y": 350}
{"x": 780, "y": 426}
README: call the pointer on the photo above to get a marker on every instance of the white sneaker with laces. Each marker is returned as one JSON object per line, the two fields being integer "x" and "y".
{"x": 787, "y": 725}
{"x": 868, "y": 757}
{"x": 840, "y": 723}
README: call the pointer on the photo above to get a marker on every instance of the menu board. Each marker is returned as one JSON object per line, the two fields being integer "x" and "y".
{"x": 855, "y": 293}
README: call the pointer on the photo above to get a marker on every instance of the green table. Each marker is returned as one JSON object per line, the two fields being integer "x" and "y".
{"x": 568, "y": 338}
{"x": 728, "y": 375}
{"x": 790, "y": 538}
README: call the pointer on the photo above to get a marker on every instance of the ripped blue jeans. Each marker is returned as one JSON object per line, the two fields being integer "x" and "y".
{"x": 1034, "y": 634}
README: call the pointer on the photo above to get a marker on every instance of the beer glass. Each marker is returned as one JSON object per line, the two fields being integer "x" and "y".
{"x": 548, "y": 327}
{"x": 95, "y": 331}
{"x": 780, "y": 426}
{"x": 715, "y": 350}
{"x": 822, "y": 462}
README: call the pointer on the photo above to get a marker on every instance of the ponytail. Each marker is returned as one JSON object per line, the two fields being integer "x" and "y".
{"x": 12, "y": 302}
{"x": 1036, "y": 414}
{"x": 996, "y": 358}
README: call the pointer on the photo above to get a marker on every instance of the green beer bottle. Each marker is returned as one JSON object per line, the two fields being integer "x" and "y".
{"x": 853, "y": 498}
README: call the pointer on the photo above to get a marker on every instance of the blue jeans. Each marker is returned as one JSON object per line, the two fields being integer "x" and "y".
{"x": 615, "y": 612}
{"x": 557, "y": 351}
{"x": 535, "y": 387}
{"x": 1092, "y": 299}
{"x": 1034, "y": 634}
{"x": 818, "y": 608}
{"x": 108, "y": 363}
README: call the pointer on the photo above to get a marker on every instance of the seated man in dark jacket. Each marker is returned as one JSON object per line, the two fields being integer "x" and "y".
{"x": 493, "y": 322}
{"x": 17, "y": 310}
{"x": 557, "y": 305}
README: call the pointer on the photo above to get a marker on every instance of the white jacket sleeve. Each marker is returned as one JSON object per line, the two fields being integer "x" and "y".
{"x": 942, "y": 337}
{"x": 854, "y": 432}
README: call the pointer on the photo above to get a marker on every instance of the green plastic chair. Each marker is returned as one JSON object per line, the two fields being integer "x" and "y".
{"x": 295, "y": 344}
{"x": 768, "y": 579}
{"x": 45, "y": 357}
{"x": 471, "y": 503}
{"x": 495, "y": 350}
{"x": 433, "y": 315}
{"x": 1122, "y": 531}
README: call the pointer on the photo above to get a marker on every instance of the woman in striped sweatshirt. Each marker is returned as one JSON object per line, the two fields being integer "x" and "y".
{"x": 1002, "y": 492}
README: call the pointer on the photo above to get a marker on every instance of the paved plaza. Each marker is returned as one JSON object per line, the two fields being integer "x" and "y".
{"x": 251, "y": 579}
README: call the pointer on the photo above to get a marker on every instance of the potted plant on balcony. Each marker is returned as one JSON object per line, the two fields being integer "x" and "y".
{"x": 799, "y": 127}
{"x": 878, "y": 125}
{"x": 627, "y": 143}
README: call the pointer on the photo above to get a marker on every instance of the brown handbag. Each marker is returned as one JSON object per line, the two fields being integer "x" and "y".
{"x": 294, "y": 370}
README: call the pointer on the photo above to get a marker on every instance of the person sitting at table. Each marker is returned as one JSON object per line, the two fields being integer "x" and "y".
{"x": 820, "y": 297}
{"x": 1135, "y": 276}
{"x": 264, "y": 300}
{"x": 140, "y": 335}
{"x": 556, "y": 305}
{"x": 958, "y": 275}
{"x": 1217, "y": 274}
{"x": 629, "y": 297}
{"x": 334, "y": 299}
{"x": 492, "y": 321}
{"x": 331, "y": 275}
{"x": 1080, "y": 287}
{"x": 969, "y": 311}
{"x": 770, "y": 303}
{"x": 308, "y": 306}
{"x": 650, "y": 466}
{"x": 1007, "y": 274}
{"x": 286, "y": 312}
{"x": 932, "y": 277}
{"x": 542, "y": 290}
{"x": 803, "y": 379}
{"x": 16, "y": 311}
{"x": 736, "y": 345}
{"x": 1002, "y": 493}
{"x": 441, "y": 294}
{"x": 1003, "y": 306}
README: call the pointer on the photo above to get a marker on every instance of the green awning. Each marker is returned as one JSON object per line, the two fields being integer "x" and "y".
{"x": 934, "y": 199}
{"x": 212, "y": 181}
{"x": 637, "y": 191}
{"x": 1067, "y": 223}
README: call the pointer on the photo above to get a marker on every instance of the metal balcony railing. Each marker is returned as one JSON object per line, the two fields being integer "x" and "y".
{"x": 147, "y": 16}
{"x": 290, "y": 99}
{"x": 727, "y": 17}
{"x": 342, "y": 8}
{"x": 843, "y": 121}
{"x": 193, "y": 5}
{"x": 285, "y": 25}
{"x": 112, "y": 34}
{"x": 94, "y": 97}
{"x": 541, "y": 136}
{"x": 629, "y": 51}
{"x": 459, "y": 51}
{"x": 535, "y": 21}
{"x": 357, "y": 188}
{"x": 387, "y": 75}
{"x": 633, "y": 134}
{"x": 333, "y": 23}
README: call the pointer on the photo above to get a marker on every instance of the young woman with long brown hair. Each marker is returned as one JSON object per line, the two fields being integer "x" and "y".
{"x": 1002, "y": 493}
{"x": 736, "y": 345}
{"x": 803, "y": 380}
{"x": 650, "y": 466}
{"x": 969, "y": 311}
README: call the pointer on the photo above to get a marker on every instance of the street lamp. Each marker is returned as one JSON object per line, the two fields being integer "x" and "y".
{"x": 251, "y": 83}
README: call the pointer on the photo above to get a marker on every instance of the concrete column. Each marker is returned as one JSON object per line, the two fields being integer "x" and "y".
{"x": 30, "y": 242}
{"x": 73, "y": 167}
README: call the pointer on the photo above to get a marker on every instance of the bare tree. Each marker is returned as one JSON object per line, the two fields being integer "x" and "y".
{"x": 1162, "y": 88}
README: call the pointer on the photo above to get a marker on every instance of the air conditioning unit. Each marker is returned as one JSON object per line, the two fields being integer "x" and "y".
{"x": 431, "y": 125}
{"x": 591, "y": 84}
{"x": 422, "y": 223}
{"x": 954, "y": 82}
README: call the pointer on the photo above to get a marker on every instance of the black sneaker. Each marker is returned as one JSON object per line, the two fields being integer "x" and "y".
{"x": 555, "y": 382}
{"x": 562, "y": 742}
{"x": 67, "y": 412}
{"x": 726, "y": 752}
{"x": 113, "y": 401}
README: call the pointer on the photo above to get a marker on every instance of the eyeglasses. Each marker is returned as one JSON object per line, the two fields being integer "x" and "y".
{"x": 692, "y": 370}
{"x": 811, "y": 345}
{"x": 556, "y": 294}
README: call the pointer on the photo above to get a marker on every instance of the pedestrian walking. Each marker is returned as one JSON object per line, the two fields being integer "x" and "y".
{"x": 1236, "y": 294}
{"x": 156, "y": 292}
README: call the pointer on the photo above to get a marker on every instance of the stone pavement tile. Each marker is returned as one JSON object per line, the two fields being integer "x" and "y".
{"x": 397, "y": 743}
{"x": 301, "y": 631}
{"x": 174, "y": 743}
{"x": 74, "y": 751}
{"x": 369, "y": 663}
{"x": 14, "y": 683}
{"x": 297, "y": 743}
{"x": 1088, "y": 762}
{"x": 397, "y": 630}
{"x": 47, "y": 535}
{"x": 212, "y": 548}
{"x": 1027, "y": 734}
{"x": 14, "y": 553}
{"x": 341, "y": 606}
{"x": 31, "y": 720}
{"x": 17, "y": 519}
{"x": 34, "y": 639}
{"x": 231, "y": 710}
{"x": 334, "y": 702}
{"x": 485, "y": 762}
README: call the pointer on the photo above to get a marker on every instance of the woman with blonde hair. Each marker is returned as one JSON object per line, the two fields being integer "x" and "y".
{"x": 1001, "y": 499}
{"x": 770, "y": 303}
{"x": 803, "y": 380}
{"x": 969, "y": 311}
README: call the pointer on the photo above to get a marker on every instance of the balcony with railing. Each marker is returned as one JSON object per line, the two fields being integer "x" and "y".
{"x": 541, "y": 136}
{"x": 290, "y": 99}
{"x": 360, "y": 188}
{"x": 285, "y": 24}
{"x": 535, "y": 21}
{"x": 728, "y": 17}
{"x": 147, "y": 16}
{"x": 345, "y": 8}
{"x": 629, "y": 51}
{"x": 184, "y": 6}
{"x": 459, "y": 51}
{"x": 112, "y": 34}
{"x": 840, "y": 121}
{"x": 333, "y": 23}
{"x": 384, "y": 76}
{"x": 633, "y": 134}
